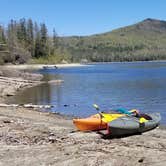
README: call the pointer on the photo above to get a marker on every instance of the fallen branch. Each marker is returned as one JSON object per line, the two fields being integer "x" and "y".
{"x": 27, "y": 106}
{"x": 37, "y": 106}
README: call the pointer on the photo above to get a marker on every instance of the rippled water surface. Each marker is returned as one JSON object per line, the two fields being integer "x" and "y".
{"x": 140, "y": 85}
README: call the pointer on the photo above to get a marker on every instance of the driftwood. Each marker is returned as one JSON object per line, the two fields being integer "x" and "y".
{"x": 9, "y": 105}
{"x": 27, "y": 106}
{"x": 20, "y": 80}
{"x": 55, "y": 81}
{"x": 37, "y": 106}
{"x": 23, "y": 81}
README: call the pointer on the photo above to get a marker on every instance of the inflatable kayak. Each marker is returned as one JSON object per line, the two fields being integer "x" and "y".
{"x": 95, "y": 122}
{"x": 128, "y": 125}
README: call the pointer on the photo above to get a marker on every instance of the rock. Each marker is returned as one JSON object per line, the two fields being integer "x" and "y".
{"x": 9, "y": 91}
{"x": 6, "y": 121}
{"x": 52, "y": 139}
{"x": 66, "y": 105}
{"x": 141, "y": 160}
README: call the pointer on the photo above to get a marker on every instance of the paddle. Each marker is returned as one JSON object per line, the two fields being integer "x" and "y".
{"x": 96, "y": 107}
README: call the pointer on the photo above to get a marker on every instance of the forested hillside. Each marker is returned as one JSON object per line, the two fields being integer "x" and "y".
{"x": 142, "y": 41}
{"x": 27, "y": 41}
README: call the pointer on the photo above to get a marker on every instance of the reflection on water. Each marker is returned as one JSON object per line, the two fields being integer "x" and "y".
{"x": 138, "y": 85}
{"x": 40, "y": 94}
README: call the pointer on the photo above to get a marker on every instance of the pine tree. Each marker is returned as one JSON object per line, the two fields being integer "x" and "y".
{"x": 2, "y": 35}
{"x": 55, "y": 39}
{"x": 30, "y": 37}
{"x": 12, "y": 37}
{"x": 37, "y": 41}
{"x": 16, "y": 42}
{"x": 44, "y": 39}
{"x": 21, "y": 31}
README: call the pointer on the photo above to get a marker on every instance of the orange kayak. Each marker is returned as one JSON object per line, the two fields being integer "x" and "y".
{"x": 95, "y": 122}
{"x": 91, "y": 123}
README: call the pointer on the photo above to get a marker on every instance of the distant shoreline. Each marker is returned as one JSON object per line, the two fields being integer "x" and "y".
{"x": 127, "y": 62}
{"x": 41, "y": 66}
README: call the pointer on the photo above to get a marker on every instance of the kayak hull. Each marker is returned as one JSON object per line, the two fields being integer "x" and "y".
{"x": 131, "y": 125}
{"x": 95, "y": 122}
{"x": 89, "y": 124}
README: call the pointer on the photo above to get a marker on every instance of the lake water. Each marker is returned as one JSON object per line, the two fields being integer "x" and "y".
{"x": 140, "y": 85}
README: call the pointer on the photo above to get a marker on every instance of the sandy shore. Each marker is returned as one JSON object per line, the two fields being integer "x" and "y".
{"x": 30, "y": 137}
{"x": 40, "y": 66}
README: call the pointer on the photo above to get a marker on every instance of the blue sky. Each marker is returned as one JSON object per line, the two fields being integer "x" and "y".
{"x": 82, "y": 17}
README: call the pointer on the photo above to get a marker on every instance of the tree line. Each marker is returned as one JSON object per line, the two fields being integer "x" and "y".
{"x": 126, "y": 44}
{"x": 23, "y": 40}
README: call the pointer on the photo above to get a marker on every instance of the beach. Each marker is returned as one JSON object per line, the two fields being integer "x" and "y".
{"x": 40, "y": 66}
{"x": 31, "y": 137}
{"x": 37, "y": 137}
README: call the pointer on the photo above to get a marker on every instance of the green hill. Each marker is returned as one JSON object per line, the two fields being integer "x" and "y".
{"x": 145, "y": 40}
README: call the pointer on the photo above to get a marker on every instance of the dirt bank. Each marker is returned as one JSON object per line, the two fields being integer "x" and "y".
{"x": 29, "y": 137}
{"x": 11, "y": 81}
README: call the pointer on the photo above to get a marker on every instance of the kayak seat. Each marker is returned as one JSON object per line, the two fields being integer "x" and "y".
{"x": 147, "y": 117}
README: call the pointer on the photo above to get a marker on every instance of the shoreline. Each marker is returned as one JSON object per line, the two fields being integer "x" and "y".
{"x": 126, "y": 62}
{"x": 40, "y": 66}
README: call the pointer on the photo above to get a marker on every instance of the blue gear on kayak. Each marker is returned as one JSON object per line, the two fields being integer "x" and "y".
{"x": 124, "y": 111}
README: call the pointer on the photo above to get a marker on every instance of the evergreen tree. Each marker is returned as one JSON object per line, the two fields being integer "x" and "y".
{"x": 11, "y": 36}
{"x": 21, "y": 31}
{"x": 37, "y": 41}
{"x": 11, "y": 41}
{"x": 16, "y": 42}
{"x": 2, "y": 35}
{"x": 44, "y": 40}
{"x": 30, "y": 37}
{"x": 55, "y": 39}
